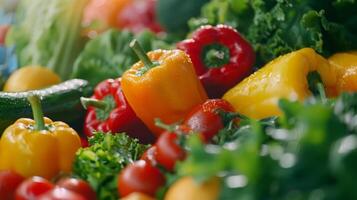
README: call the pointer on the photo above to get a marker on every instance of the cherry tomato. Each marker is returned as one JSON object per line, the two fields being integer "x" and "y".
{"x": 78, "y": 186}
{"x": 32, "y": 188}
{"x": 168, "y": 150}
{"x": 9, "y": 181}
{"x": 59, "y": 193}
{"x": 205, "y": 120}
{"x": 140, "y": 176}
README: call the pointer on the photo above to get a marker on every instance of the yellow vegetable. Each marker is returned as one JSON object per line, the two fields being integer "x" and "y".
{"x": 188, "y": 189}
{"x": 257, "y": 96}
{"x": 163, "y": 85}
{"x": 31, "y": 78}
{"x": 137, "y": 196}
{"x": 345, "y": 65}
{"x": 38, "y": 148}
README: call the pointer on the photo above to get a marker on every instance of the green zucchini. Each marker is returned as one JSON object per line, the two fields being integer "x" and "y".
{"x": 59, "y": 102}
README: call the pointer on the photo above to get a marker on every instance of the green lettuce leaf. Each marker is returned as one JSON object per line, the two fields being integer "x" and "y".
{"x": 47, "y": 33}
{"x": 276, "y": 27}
{"x": 100, "y": 163}
{"x": 109, "y": 54}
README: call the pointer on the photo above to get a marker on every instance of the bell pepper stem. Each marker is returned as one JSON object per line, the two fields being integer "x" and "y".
{"x": 215, "y": 55}
{"x": 37, "y": 112}
{"x": 86, "y": 102}
{"x": 322, "y": 93}
{"x": 139, "y": 51}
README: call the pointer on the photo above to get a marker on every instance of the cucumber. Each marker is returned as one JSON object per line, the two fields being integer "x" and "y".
{"x": 59, "y": 102}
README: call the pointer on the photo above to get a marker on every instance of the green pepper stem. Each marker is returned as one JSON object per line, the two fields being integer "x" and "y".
{"x": 86, "y": 102}
{"x": 139, "y": 51}
{"x": 37, "y": 112}
{"x": 321, "y": 89}
{"x": 164, "y": 126}
{"x": 215, "y": 55}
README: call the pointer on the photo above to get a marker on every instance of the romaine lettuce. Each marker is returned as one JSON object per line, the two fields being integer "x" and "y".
{"x": 48, "y": 33}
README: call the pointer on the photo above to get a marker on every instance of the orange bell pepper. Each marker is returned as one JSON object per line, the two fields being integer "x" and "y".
{"x": 163, "y": 85}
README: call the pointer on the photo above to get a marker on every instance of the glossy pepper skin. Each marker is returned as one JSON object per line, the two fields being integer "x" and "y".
{"x": 345, "y": 67}
{"x": 257, "y": 96}
{"x": 167, "y": 90}
{"x": 221, "y": 57}
{"x": 117, "y": 116}
{"x": 42, "y": 150}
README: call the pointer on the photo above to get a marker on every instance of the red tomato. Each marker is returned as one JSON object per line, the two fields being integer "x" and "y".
{"x": 78, "y": 186}
{"x": 32, "y": 188}
{"x": 60, "y": 194}
{"x": 168, "y": 151}
{"x": 140, "y": 176}
{"x": 205, "y": 120}
{"x": 150, "y": 155}
{"x": 9, "y": 181}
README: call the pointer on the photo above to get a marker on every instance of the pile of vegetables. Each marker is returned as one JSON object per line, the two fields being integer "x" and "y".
{"x": 276, "y": 27}
{"x": 178, "y": 99}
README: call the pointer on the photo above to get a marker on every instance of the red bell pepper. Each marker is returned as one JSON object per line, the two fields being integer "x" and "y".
{"x": 221, "y": 57}
{"x": 109, "y": 111}
{"x": 205, "y": 118}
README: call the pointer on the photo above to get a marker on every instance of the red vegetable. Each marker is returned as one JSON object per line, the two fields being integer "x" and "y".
{"x": 3, "y": 32}
{"x": 150, "y": 155}
{"x": 221, "y": 57}
{"x": 109, "y": 111}
{"x": 9, "y": 181}
{"x": 60, "y": 194}
{"x": 205, "y": 119}
{"x": 78, "y": 186}
{"x": 32, "y": 188}
{"x": 140, "y": 176}
{"x": 139, "y": 15}
{"x": 168, "y": 151}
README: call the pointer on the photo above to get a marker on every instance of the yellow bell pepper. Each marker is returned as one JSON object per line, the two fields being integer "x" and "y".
{"x": 38, "y": 147}
{"x": 164, "y": 85}
{"x": 345, "y": 65}
{"x": 31, "y": 78}
{"x": 187, "y": 188}
{"x": 257, "y": 96}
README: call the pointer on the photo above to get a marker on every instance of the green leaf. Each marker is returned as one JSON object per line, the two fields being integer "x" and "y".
{"x": 100, "y": 163}
{"x": 109, "y": 55}
{"x": 48, "y": 34}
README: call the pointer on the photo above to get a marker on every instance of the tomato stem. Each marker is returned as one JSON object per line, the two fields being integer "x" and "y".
{"x": 37, "y": 112}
